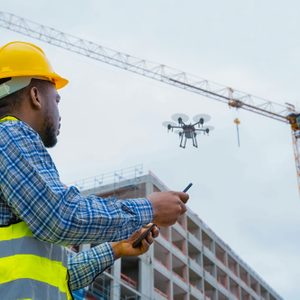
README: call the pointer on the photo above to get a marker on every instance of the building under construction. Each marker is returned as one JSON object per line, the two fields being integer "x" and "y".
{"x": 188, "y": 261}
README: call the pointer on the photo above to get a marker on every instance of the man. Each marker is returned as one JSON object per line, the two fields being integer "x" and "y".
{"x": 37, "y": 212}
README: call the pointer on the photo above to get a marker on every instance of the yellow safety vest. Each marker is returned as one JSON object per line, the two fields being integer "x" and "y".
{"x": 31, "y": 269}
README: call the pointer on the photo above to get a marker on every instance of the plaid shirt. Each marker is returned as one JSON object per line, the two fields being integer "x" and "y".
{"x": 30, "y": 190}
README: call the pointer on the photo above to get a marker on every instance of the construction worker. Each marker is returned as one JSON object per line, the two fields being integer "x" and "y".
{"x": 38, "y": 213}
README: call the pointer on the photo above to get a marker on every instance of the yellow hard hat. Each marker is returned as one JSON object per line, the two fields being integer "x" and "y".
{"x": 22, "y": 59}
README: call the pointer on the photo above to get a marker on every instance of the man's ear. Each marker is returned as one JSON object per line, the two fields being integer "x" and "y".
{"x": 35, "y": 98}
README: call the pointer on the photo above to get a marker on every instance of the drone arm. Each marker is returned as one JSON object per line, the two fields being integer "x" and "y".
{"x": 197, "y": 123}
{"x": 171, "y": 127}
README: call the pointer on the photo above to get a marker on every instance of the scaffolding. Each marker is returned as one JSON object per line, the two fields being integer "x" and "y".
{"x": 132, "y": 173}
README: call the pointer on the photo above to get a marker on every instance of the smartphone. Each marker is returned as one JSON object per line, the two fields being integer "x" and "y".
{"x": 137, "y": 242}
{"x": 187, "y": 188}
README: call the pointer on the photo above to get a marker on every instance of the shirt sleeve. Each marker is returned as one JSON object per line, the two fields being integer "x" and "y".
{"x": 32, "y": 189}
{"x": 84, "y": 266}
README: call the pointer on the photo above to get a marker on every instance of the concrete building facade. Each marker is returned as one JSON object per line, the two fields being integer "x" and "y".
{"x": 188, "y": 261}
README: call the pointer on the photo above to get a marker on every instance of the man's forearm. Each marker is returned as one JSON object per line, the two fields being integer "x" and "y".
{"x": 83, "y": 267}
{"x": 80, "y": 220}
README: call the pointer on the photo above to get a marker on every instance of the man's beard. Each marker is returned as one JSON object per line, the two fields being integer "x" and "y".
{"x": 49, "y": 135}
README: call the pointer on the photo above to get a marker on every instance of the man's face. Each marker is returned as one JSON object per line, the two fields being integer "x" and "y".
{"x": 50, "y": 116}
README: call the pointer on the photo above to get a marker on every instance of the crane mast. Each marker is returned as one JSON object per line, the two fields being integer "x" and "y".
{"x": 234, "y": 98}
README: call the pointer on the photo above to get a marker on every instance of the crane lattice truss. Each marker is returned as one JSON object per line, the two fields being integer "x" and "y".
{"x": 234, "y": 98}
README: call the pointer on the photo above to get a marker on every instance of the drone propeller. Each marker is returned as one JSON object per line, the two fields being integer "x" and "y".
{"x": 210, "y": 128}
{"x": 168, "y": 124}
{"x": 180, "y": 118}
{"x": 204, "y": 130}
{"x": 202, "y": 118}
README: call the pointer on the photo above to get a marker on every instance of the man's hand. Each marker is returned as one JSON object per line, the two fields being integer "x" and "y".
{"x": 167, "y": 207}
{"x": 124, "y": 248}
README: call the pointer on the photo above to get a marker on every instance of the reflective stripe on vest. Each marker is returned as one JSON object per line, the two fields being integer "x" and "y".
{"x": 41, "y": 290}
{"x": 30, "y": 267}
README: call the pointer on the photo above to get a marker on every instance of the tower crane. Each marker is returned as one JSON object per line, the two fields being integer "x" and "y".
{"x": 286, "y": 113}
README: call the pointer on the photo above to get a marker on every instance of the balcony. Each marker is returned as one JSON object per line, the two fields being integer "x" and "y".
{"x": 161, "y": 286}
{"x": 161, "y": 268}
{"x": 196, "y": 292}
{"x": 161, "y": 295}
{"x": 129, "y": 281}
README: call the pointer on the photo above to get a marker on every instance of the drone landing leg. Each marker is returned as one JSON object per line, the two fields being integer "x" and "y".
{"x": 195, "y": 144}
{"x": 181, "y": 145}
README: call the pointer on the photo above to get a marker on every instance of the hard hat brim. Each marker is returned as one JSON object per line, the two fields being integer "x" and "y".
{"x": 59, "y": 81}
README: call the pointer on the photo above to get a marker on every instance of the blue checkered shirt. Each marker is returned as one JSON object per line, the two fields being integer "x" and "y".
{"x": 30, "y": 190}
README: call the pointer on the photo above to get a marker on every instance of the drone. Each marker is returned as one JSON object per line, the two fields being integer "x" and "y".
{"x": 188, "y": 131}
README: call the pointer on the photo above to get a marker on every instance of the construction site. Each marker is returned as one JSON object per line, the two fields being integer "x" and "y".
{"x": 187, "y": 262}
{"x": 135, "y": 101}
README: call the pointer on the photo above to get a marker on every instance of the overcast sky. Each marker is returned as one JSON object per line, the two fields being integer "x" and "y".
{"x": 111, "y": 118}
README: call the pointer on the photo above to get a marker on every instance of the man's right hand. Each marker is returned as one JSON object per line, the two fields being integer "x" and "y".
{"x": 167, "y": 207}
